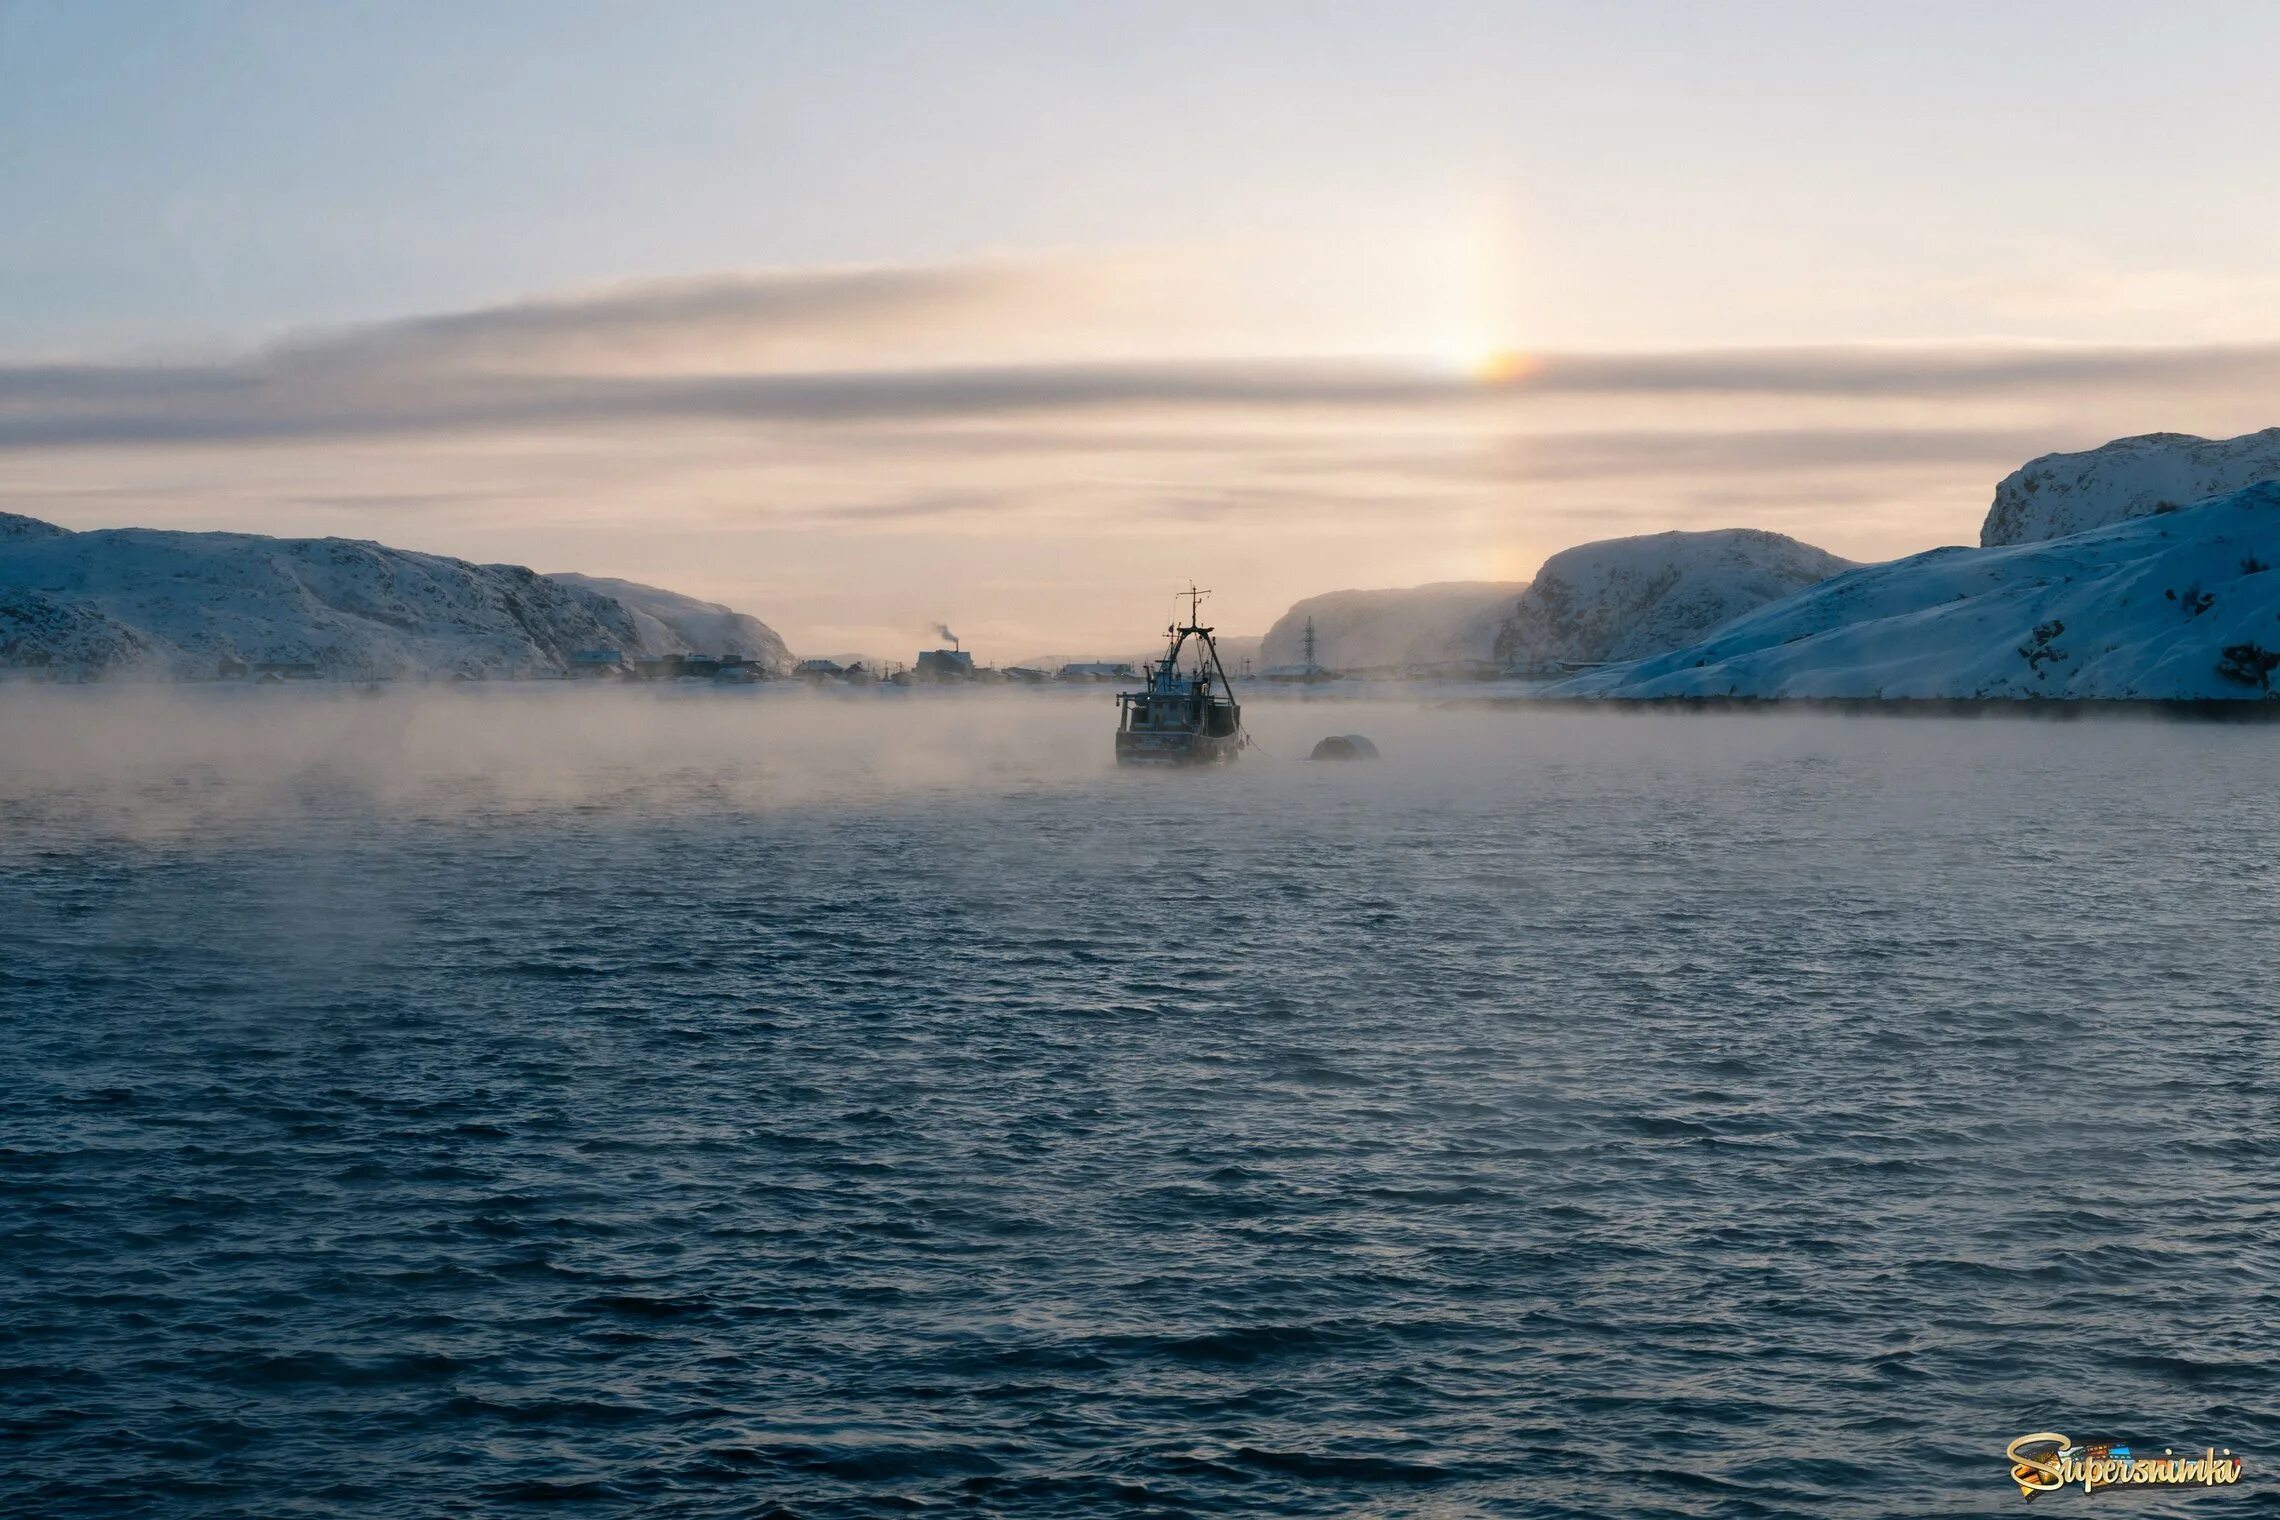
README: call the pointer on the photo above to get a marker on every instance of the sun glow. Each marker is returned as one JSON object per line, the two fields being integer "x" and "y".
{"x": 1488, "y": 363}
{"x": 1501, "y": 366}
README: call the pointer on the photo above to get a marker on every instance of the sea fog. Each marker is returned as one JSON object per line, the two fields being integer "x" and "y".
{"x": 692, "y": 1102}
{"x": 157, "y": 757}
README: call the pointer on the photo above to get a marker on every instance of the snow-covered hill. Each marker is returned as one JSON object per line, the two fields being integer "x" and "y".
{"x": 1409, "y": 628}
{"x": 1625, "y": 598}
{"x": 669, "y": 623}
{"x": 2179, "y": 604}
{"x": 14, "y": 527}
{"x": 2060, "y": 494}
{"x": 160, "y": 603}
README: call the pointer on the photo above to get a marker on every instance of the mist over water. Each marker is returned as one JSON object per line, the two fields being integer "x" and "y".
{"x": 690, "y": 1103}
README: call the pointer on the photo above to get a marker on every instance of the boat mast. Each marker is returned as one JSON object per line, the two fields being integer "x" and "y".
{"x": 1194, "y": 626}
{"x": 1203, "y": 636}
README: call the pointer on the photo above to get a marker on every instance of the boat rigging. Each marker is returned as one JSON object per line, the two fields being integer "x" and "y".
{"x": 1182, "y": 717}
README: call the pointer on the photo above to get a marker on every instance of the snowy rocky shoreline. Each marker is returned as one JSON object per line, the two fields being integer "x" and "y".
{"x": 2148, "y": 600}
{"x": 140, "y": 602}
{"x": 2136, "y": 576}
{"x": 2053, "y": 709}
{"x": 2140, "y": 572}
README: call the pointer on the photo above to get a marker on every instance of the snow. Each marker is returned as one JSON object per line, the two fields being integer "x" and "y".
{"x": 2060, "y": 494}
{"x": 1625, "y": 598}
{"x": 1407, "y": 629}
{"x": 150, "y": 602}
{"x": 15, "y": 526}
{"x": 670, "y": 623}
{"x": 2177, "y": 605}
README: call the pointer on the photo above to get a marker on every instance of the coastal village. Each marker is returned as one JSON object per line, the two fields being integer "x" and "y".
{"x": 932, "y": 667}
{"x": 955, "y": 667}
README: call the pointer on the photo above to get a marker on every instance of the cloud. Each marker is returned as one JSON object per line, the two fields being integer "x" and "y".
{"x": 1759, "y": 451}
{"x": 866, "y": 436}
{"x": 647, "y": 321}
{"x": 1947, "y": 372}
{"x": 264, "y": 399}
{"x": 597, "y": 361}
{"x": 918, "y": 507}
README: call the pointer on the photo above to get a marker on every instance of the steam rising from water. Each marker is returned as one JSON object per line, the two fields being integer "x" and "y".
{"x": 868, "y": 1098}
{"x": 161, "y": 761}
{"x": 167, "y": 759}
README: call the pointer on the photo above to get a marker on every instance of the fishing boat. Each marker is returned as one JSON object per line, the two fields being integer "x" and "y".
{"x": 1183, "y": 716}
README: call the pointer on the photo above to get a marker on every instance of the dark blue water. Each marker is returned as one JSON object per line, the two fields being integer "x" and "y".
{"x": 714, "y": 1109}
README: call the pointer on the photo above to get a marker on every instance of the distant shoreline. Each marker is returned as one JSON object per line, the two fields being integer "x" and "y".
{"x": 1327, "y": 694}
{"x": 2047, "y": 709}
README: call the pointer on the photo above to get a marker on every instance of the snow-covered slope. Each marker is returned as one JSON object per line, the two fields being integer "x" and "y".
{"x": 2060, "y": 494}
{"x": 670, "y": 623}
{"x": 2181, "y": 604}
{"x": 15, "y": 527}
{"x": 1624, "y": 598}
{"x": 162, "y": 603}
{"x": 1409, "y": 628}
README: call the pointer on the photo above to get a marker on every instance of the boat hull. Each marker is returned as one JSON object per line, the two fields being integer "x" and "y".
{"x": 1176, "y": 748}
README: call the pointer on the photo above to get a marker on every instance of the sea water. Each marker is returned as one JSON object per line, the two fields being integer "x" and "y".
{"x": 731, "y": 1103}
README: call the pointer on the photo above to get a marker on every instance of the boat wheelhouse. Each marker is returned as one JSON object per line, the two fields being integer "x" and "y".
{"x": 1182, "y": 716}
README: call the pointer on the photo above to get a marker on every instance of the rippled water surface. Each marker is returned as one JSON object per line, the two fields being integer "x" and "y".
{"x": 705, "y": 1105}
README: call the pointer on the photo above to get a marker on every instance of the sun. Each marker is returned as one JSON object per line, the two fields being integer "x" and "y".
{"x": 1501, "y": 366}
{"x": 1487, "y": 362}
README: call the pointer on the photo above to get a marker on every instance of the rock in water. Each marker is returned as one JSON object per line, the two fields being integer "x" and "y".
{"x": 1345, "y": 747}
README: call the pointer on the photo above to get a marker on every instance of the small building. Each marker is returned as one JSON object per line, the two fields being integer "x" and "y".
{"x": 945, "y": 665}
{"x": 590, "y": 664}
{"x": 741, "y": 669}
{"x": 819, "y": 670}
{"x": 1098, "y": 670}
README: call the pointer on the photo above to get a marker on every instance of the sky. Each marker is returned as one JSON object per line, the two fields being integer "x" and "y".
{"x": 863, "y": 317}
